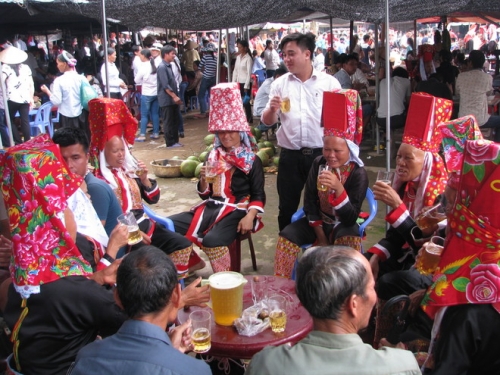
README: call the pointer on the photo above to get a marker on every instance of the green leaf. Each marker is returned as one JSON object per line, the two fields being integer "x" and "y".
{"x": 467, "y": 167}
{"x": 479, "y": 172}
{"x": 451, "y": 270}
{"x": 460, "y": 283}
{"x": 474, "y": 263}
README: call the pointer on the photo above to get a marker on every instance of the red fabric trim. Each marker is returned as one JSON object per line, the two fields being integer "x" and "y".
{"x": 380, "y": 253}
{"x": 335, "y": 201}
{"x": 395, "y": 214}
{"x": 316, "y": 223}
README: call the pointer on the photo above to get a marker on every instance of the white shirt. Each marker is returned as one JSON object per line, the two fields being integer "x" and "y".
{"x": 319, "y": 62}
{"x": 114, "y": 77}
{"x": 400, "y": 91}
{"x": 176, "y": 69}
{"x": 243, "y": 70}
{"x": 66, "y": 94}
{"x": 301, "y": 126}
{"x": 148, "y": 81}
{"x": 136, "y": 63}
{"x": 262, "y": 97}
{"x": 473, "y": 88}
{"x": 20, "y": 89}
{"x": 272, "y": 59}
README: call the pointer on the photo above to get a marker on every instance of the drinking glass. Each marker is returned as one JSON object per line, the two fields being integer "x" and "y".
{"x": 211, "y": 171}
{"x": 259, "y": 289}
{"x": 134, "y": 234}
{"x": 277, "y": 313}
{"x": 386, "y": 177}
{"x": 285, "y": 105}
{"x": 431, "y": 217}
{"x": 322, "y": 168}
{"x": 201, "y": 338}
{"x": 429, "y": 256}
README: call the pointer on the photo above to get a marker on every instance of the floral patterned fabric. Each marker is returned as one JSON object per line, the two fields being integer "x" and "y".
{"x": 342, "y": 115}
{"x": 107, "y": 118}
{"x": 425, "y": 114}
{"x": 226, "y": 109}
{"x": 454, "y": 134}
{"x": 36, "y": 184}
{"x": 241, "y": 157}
{"x": 469, "y": 270}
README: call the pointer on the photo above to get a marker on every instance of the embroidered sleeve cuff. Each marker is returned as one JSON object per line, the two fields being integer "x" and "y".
{"x": 103, "y": 263}
{"x": 397, "y": 216}
{"x": 205, "y": 193}
{"x": 316, "y": 223}
{"x": 259, "y": 206}
{"x": 381, "y": 251}
{"x": 340, "y": 201}
{"x": 153, "y": 192}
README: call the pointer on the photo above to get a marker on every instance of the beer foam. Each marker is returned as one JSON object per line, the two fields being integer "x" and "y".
{"x": 225, "y": 281}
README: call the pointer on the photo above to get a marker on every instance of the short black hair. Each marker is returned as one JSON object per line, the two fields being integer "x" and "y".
{"x": 477, "y": 59}
{"x": 280, "y": 71}
{"x": 145, "y": 281}
{"x": 136, "y": 48}
{"x": 166, "y": 49}
{"x": 400, "y": 72}
{"x": 110, "y": 51}
{"x": 304, "y": 41}
{"x": 70, "y": 136}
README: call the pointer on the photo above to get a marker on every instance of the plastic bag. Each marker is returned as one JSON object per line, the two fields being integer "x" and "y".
{"x": 254, "y": 320}
{"x": 87, "y": 93}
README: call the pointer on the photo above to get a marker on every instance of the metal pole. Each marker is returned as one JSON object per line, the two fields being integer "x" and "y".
{"x": 351, "y": 33}
{"x": 248, "y": 34}
{"x": 6, "y": 105}
{"x": 331, "y": 38}
{"x": 377, "y": 87}
{"x": 217, "y": 76}
{"x": 105, "y": 44}
{"x": 387, "y": 77}
{"x": 228, "y": 57}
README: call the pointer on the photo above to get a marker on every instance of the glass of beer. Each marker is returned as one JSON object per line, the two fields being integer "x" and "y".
{"x": 201, "y": 322}
{"x": 428, "y": 219}
{"x": 277, "y": 313}
{"x": 322, "y": 168}
{"x": 134, "y": 235}
{"x": 285, "y": 105}
{"x": 429, "y": 255}
{"x": 211, "y": 171}
{"x": 385, "y": 176}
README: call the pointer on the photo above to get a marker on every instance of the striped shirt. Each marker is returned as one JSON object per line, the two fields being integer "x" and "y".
{"x": 210, "y": 64}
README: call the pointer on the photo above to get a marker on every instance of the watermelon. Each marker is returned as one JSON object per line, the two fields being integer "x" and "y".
{"x": 188, "y": 167}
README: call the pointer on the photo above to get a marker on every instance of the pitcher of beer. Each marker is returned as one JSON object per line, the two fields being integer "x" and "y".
{"x": 226, "y": 293}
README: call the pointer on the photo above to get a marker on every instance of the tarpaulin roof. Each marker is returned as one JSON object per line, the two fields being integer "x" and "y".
{"x": 221, "y": 14}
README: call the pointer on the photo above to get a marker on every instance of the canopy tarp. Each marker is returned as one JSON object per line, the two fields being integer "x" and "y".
{"x": 222, "y": 14}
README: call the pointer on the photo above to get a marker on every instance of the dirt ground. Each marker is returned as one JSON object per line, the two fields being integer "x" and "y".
{"x": 179, "y": 194}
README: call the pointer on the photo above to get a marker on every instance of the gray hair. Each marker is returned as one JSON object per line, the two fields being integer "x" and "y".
{"x": 326, "y": 277}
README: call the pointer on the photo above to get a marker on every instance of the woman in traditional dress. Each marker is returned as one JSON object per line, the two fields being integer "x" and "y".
{"x": 231, "y": 203}
{"x": 331, "y": 213}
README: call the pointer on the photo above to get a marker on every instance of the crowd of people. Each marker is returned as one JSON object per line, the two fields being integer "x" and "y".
{"x": 62, "y": 196}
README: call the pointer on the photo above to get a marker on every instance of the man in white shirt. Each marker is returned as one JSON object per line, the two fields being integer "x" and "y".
{"x": 271, "y": 58}
{"x": 136, "y": 62}
{"x": 262, "y": 97}
{"x": 300, "y": 135}
{"x": 473, "y": 87}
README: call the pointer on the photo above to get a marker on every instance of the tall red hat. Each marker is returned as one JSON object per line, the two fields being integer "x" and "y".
{"x": 226, "y": 109}
{"x": 109, "y": 117}
{"x": 425, "y": 113}
{"x": 342, "y": 115}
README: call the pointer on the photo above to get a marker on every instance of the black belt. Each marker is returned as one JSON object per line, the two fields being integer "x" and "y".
{"x": 307, "y": 150}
